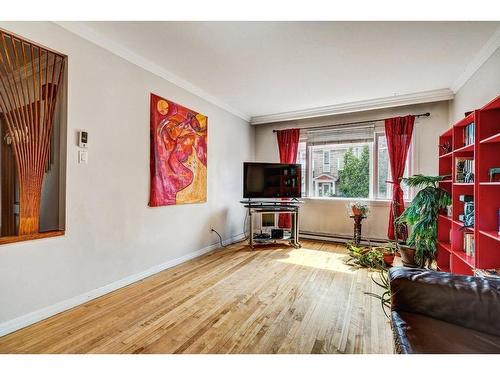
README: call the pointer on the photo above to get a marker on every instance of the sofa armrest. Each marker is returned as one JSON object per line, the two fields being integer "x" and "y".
{"x": 471, "y": 302}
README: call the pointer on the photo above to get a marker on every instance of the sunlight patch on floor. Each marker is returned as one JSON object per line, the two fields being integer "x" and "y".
{"x": 318, "y": 259}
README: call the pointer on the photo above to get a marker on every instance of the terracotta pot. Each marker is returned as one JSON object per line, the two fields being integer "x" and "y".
{"x": 388, "y": 259}
{"x": 356, "y": 211}
{"x": 408, "y": 256}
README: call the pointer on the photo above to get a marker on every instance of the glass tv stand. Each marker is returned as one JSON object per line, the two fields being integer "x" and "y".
{"x": 259, "y": 207}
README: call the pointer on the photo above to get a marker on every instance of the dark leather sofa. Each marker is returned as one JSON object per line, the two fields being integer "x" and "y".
{"x": 438, "y": 312}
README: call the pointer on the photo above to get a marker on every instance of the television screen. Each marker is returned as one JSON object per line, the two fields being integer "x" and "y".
{"x": 271, "y": 180}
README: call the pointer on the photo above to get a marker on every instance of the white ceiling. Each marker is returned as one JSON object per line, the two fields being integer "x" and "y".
{"x": 261, "y": 68}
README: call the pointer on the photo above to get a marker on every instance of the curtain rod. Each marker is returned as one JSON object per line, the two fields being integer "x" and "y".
{"x": 427, "y": 114}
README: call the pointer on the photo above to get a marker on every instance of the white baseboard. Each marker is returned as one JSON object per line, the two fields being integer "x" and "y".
{"x": 46, "y": 312}
{"x": 339, "y": 238}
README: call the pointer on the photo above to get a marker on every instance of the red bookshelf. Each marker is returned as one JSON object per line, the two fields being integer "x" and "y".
{"x": 485, "y": 151}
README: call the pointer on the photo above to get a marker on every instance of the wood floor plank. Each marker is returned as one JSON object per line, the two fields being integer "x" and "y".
{"x": 233, "y": 300}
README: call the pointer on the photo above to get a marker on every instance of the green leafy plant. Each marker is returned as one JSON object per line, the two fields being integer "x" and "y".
{"x": 388, "y": 248}
{"x": 366, "y": 256}
{"x": 422, "y": 214}
{"x": 385, "y": 297}
{"x": 359, "y": 208}
{"x": 373, "y": 257}
{"x": 354, "y": 178}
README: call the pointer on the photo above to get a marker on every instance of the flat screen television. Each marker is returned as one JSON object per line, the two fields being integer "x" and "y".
{"x": 271, "y": 180}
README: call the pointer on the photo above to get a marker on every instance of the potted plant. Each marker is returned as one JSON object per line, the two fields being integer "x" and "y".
{"x": 378, "y": 257}
{"x": 421, "y": 215}
{"x": 359, "y": 208}
{"x": 388, "y": 252}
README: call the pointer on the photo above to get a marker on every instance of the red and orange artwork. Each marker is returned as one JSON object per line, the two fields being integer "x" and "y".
{"x": 178, "y": 154}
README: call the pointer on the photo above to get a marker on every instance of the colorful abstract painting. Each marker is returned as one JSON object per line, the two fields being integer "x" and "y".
{"x": 178, "y": 154}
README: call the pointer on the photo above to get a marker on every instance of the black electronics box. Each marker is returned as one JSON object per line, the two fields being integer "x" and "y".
{"x": 276, "y": 233}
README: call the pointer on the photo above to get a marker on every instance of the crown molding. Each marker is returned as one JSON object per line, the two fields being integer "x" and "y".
{"x": 488, "y": 49}
{"x": 357, "y": 106}
{"x": 89, "y": 34}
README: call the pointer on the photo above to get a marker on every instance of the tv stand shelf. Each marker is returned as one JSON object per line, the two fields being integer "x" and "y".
{"x": 259, "y": 207}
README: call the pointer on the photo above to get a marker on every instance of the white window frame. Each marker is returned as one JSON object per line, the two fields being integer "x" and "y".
{"x": 409, "y": 167}
{"x": 373, "y": 194}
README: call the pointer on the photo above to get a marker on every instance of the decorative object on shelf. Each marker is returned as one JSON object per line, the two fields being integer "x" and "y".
{"x": 31, "y": 76}
{"x": 445, "y": 147}
{"x": 178, "y": 154}
{"x": 494, "y": 172}
{"x": 359, "y": 208}
{"x": 469, "y": 171}
{"x": 468, "y": 216}
{"x": 422, "y": 215}
{"x": 464, "y": 170}
{"x": 469, "y": 244}
{"x": 465, "y": 198}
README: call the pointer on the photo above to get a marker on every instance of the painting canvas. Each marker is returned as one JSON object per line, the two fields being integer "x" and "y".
{"x": 178, "y": 154}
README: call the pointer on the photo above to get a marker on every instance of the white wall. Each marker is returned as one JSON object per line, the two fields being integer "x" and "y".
{"x": 482, "y": 87}
{"x": 329, "y": 216}
{"x": 111, "y": 233}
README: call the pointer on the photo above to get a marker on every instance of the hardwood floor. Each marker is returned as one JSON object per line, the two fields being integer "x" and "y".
{"x": 272, "y": 300}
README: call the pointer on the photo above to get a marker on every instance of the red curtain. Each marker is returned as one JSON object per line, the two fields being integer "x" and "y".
{"x": 288, "y": 143}
{"x": 398, "y": 131}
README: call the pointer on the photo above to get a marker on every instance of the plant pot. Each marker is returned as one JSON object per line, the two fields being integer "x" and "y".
{"x": 388, "y": 259}
{"x": 408, "y": 256}
{"x": 356, "y": 211}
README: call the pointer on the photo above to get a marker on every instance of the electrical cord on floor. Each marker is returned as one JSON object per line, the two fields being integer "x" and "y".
{"x": 220, "y": 237}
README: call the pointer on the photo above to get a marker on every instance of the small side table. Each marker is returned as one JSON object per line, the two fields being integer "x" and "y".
{"x": 357, "y": 228}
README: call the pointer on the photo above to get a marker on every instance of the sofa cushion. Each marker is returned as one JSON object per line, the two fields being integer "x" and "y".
{"x": 416, "y": 333}
{"x": 467, "y": 301}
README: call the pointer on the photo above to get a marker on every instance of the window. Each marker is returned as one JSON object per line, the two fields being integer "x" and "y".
{"x": 352, "y": 181}
{"x": 340, "y": 163}
{"x": 301, "y": 159}
{"x": 384, "y": 188}
{"x": 347, "y": 163}
{"x": 326, "y": 161}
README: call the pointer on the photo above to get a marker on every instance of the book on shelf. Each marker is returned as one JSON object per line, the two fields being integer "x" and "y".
{"x": 469, "y": 244}
{"x": 464, "y": 170}
{"x": 468, "y": 216}
{"x": 469, "y": 133}
{"x": 465, "y": 198}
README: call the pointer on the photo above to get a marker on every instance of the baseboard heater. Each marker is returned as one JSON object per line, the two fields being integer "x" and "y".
{"x": 339, "y": 238}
